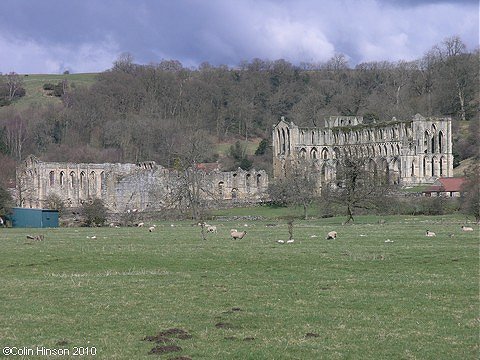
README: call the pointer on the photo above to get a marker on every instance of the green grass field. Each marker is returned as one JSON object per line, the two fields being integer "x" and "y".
{"x": 356, "y": 297}
{"x": 35, "y": 95}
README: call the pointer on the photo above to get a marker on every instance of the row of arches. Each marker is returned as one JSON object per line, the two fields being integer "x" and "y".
{"x": 433, "y": 142}
{"x": 73, "y": 180}
{"x": 248, "y": 181}
{"x": 81, "y": 185}
{"x": 361, "y": 136}
{"x": 353, "y": 151}
{"x": 388, "y": 169}
{"x": 283, "y": 141}
{"x": 433, "y": 166}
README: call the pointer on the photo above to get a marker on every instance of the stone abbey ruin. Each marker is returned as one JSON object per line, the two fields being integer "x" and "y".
{"x": 143, "y": 186}
{"x": 409, "y": 152}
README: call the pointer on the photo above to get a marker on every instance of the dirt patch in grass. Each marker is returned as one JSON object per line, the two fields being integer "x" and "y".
{"x": 165, "y": 349}
{"x": 232, "y": 310}
{"x": 249, "y": 339}
{"x": 311, "y": 335}
{"x": 181, "y": 358}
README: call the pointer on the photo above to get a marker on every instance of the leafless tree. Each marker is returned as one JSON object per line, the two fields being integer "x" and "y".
{"x": 358, "y": 187}
{"x": 14, "y": 83}
{"x": 298, "y": 189}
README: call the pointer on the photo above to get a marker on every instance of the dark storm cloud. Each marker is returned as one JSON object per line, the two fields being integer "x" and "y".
{"x": 88, "y": 35}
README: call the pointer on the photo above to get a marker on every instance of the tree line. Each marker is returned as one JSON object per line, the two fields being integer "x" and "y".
{"x": 136, "y": 112}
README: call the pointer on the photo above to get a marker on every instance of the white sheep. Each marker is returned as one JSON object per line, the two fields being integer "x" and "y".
{"x": 430, "y": 233}
{"x": 151, "y": 229}
{"x": 281, "y": 241}
{"x": 291, "y": 241}
{"x": 212, "y": 229}
{"x": 331, "y": 235}
{"x": 467, "y": 228}
{"x": 140, "y": 224}
{"x": 237, "y": 234}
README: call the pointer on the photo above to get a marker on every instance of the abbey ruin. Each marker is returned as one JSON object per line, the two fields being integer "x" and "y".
{"x": 143, "y": 186}
{"x": 408, "y": 152}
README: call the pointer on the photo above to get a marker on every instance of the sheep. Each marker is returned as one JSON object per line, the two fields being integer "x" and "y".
{"x": 331, "y": 235}
{"x": 151, "y": 229}
{"x": 140, "y": 224}
{"x": 212, "y": 229}
{"x": 291, "y": 241}
{"x": 467, "y": 228}
{"x": 430, "y": 233}
{"x": 237, "y": 235}
{"x": 281, "y": 241}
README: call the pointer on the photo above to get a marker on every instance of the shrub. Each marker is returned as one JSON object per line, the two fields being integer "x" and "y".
{"x": 48, "y": 86}
{"x": 55, "y": 202}
{"x": 95, "y": 213}
{"x": 262, "y": 147}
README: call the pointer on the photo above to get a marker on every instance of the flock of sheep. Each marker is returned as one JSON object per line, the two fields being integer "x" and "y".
{"x": 238, "y": 235}
{"x": 429, "y": 233}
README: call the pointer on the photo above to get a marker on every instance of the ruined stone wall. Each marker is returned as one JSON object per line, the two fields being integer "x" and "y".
{"x": 128, "y": 186}
{"x": 412, "y": 151}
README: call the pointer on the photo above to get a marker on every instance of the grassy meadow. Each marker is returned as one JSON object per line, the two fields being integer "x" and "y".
{"x": 35, "y": 95}
{"x": 356, "y": 297}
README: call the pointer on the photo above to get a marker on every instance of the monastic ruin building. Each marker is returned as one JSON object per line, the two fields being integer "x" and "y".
{"x": 415, "y": 151}
{"x": 409, "y": 152}
{"x": 140, "y": 186}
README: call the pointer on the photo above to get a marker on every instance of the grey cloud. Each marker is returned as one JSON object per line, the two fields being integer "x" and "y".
{"x": 88, "y": 35}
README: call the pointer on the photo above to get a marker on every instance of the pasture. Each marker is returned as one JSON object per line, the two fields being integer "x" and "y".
{"x": 356, "y": 297}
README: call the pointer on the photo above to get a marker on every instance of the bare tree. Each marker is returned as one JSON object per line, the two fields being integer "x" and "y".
{"x": 190, "y": 188}
{"x": 470, "y": 200}
{"x": 298, "y": 189}
{"x": 14, "y": 83}
{"x": 16, "y": 135}
{"x": 358, "y": 187}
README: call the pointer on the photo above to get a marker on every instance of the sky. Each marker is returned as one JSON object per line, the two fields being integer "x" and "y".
{"x": 52, "y": 36}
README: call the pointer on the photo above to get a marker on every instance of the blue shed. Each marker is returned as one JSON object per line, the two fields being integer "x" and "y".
{"x": 34, "y": 218}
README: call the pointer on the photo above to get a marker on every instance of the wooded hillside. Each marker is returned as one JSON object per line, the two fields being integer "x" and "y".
{"x": 138, "y": 112}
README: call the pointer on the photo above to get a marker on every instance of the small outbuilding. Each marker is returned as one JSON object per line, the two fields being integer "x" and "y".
{"x": 33, "y": 218}
{"x": 448, "y": 187}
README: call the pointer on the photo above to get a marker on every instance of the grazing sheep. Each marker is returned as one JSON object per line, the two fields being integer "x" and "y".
{"x": 331, "y": 235}
{"x": 151, "y": 228}
{"x": 467, "y": 228}
{"x": 430, "y": 233}
{"x": 140, "y": 224}
{"x": 291, "y": 241}
{"x": 237, "y": 234}
{"x": 212, "y": 229}
{"x": 281, "y": 241}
